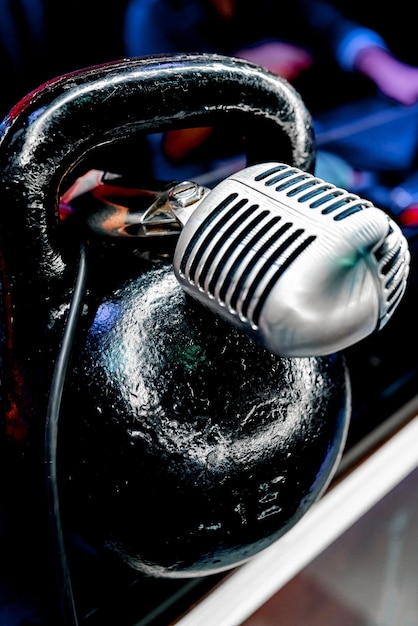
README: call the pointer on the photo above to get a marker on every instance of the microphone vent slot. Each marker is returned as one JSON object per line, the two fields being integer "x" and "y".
{"x": 392, "y": 269}
{"x": 238, "y": 254}
{"x": 311, "y": 191}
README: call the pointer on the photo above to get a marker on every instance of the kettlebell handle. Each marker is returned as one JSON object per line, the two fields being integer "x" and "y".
{"x": 50, "y": 131}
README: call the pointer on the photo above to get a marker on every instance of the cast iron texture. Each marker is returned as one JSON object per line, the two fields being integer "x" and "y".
{"x": 184, "y": 447}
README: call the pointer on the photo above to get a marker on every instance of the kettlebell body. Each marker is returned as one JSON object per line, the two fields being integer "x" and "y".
{"x": 184, "y": 448}
{"x": 206, "y": 447}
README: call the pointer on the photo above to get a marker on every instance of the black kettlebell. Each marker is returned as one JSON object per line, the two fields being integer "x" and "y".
{"x": 184, "y": 448}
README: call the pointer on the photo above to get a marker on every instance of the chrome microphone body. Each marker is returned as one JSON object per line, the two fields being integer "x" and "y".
{"x": 303, "y": 267}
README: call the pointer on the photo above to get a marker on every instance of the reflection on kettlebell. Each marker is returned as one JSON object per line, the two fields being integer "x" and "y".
{"x": 184, "y": 447}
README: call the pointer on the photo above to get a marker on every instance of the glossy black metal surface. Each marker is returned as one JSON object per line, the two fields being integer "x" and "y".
{"x": 195, "y": 449}
{"x": 184, "y": 447}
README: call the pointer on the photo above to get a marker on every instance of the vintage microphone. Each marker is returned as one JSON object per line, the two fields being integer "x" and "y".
{"x": 301, "y": 266}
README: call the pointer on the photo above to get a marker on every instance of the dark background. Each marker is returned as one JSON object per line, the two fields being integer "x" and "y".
{"x": 80, "y": 33}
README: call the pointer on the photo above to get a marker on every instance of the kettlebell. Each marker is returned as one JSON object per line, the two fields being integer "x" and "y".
{"x": 184, "y": 448}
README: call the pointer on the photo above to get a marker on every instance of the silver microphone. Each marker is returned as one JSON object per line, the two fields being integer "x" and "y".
{"x": 303, "y": 267}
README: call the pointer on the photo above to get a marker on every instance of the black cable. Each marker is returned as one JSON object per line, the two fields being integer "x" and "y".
{"x": 63, "y": 577}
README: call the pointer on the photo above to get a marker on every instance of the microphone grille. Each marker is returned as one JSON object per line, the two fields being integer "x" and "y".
{"x": 309, "y": 191}
{"x": 230, "y": 273}
{"x": 256, "y": 225}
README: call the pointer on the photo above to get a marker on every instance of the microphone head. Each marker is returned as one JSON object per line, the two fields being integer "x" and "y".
{"x": 302, "y": 266}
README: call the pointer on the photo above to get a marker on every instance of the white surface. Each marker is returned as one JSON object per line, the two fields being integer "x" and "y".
{"x": 250, "y": 586}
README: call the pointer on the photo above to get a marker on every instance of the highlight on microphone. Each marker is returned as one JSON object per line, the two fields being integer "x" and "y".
{"x": 303, "y": 267}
